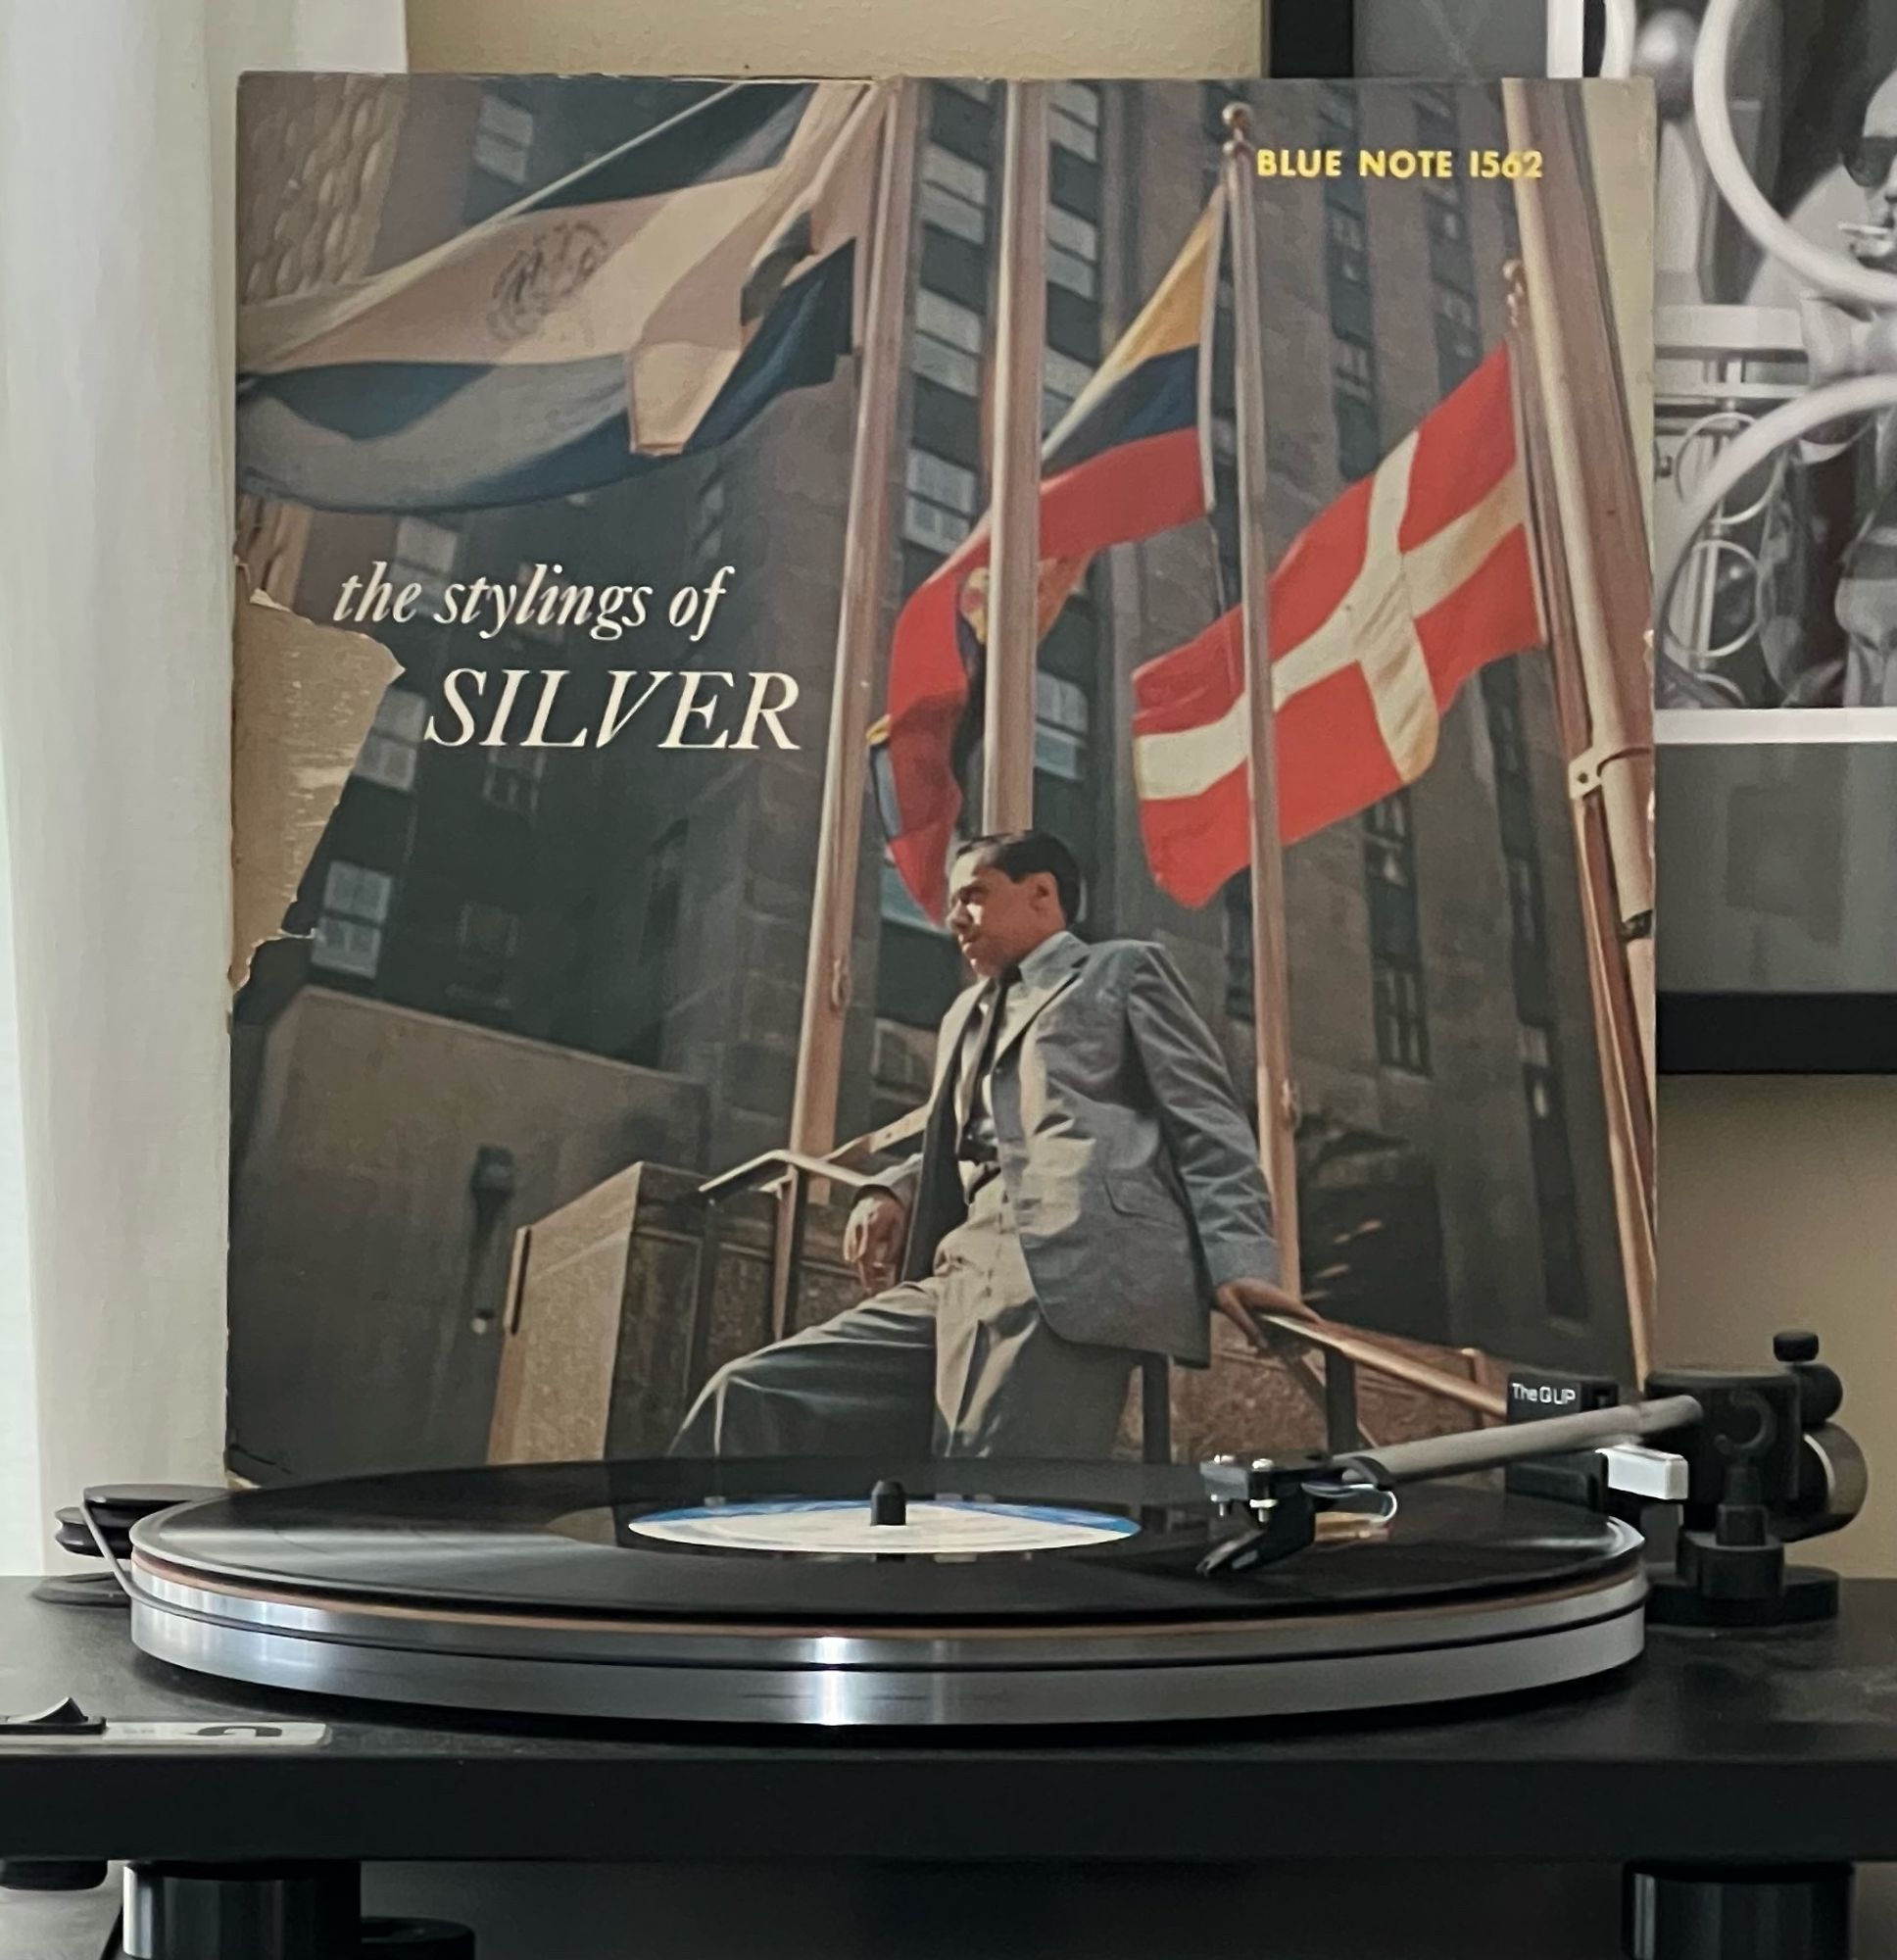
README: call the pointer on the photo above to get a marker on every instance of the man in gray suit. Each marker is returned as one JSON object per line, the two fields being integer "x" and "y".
{"x": 1088, "y": 1184}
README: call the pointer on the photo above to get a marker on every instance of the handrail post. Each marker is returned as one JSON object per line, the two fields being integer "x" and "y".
{"x": 786, "y": 1250}
{"x": 705, "y": 1300}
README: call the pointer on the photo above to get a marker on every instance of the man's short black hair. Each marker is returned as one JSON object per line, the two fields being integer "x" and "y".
{"x": 1020, "y": 854}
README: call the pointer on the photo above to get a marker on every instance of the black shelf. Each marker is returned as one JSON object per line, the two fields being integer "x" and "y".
{"x": 1730, "y": 1748}
{"x": 1778, "y": 1034}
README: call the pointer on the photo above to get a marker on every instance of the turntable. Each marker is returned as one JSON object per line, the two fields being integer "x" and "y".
{"x": 979, "y": 1594}
{"x": 972, "y": 1662}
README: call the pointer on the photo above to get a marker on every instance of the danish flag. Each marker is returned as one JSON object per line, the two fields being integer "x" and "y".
{"x": 1386, "y": 604}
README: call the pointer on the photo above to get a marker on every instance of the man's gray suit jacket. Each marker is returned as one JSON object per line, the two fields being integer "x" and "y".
{"x": 1131, "y": 1168}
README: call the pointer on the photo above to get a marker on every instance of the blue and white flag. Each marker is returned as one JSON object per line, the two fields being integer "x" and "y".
{"x": 651, "y": 304}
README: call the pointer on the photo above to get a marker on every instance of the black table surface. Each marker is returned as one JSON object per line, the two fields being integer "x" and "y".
{"x": 1774, "y": 1747}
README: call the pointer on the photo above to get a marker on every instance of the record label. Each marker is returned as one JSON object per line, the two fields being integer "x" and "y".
{"x": 941, "y": 1528}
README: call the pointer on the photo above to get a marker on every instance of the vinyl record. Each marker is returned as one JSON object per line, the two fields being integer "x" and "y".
{"x": 1008, "y": 1592}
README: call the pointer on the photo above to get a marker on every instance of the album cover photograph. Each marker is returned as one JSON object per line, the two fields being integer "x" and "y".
{"x": 921, "y": 782}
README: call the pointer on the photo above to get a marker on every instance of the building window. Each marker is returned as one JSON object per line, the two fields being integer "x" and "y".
{"x": 1396, "y": 936}
{"x": 423, "y": 555}
{"x": 707, "y": 541}
{"x": 489, "y": 935}
{"x": 1238, "y": 967}
{"x": 1502, "y": 709}
{"x": 1353, "y": 368}
{"x": 1402, "y": 1026}
{"x": 504, "y": 135}
{"x": 947, "y": 347}
{"x": 1556, "y": 1202}
{"x": 1538, "y": 1056}
{"x": 512, "y": 779}
{"x": 1458, "y": 335}
{"x": 1062, "y": 381}
{"x": 1349, "y": 244}
{"x": 976, "y": 91}
{"x": 1060, "y": 727}
{"x": 1346, "y": 256}
{"x": 939, "y": 511}
{"x": 394, "y": 740}
{"x": 955, "y": 194}
{"x": 1390, "y": 850}
{"x": 1525, "y": 919}
{"x": 1355, "y": 365}
{"x": 356, "y": 903}
{"x": 1073, "y": 251}
{"x": 1444, "y": 216}
{"x": 486, "y": 940}
{"x": 1564, "y": 1276}
{"x": 1458, "y": 309}
{"x": 1437, "y": 101}
{"x": 1074, "y": 118}
{"x": 1360, "y": 448}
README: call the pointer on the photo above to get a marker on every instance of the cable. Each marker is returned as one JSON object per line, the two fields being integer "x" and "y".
{"x": 1832, "y": 272}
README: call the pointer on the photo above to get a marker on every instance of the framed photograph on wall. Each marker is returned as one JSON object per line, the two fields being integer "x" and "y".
{"x": 1775, "y": 532}
{"x": 1775, "y": 517}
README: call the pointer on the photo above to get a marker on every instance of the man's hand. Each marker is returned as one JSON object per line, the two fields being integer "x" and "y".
{"x": 1240, "y": 1300}
{"x": 872, "y": 1241}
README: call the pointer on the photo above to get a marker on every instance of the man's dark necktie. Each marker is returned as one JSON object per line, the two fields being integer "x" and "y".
{"x": 978, "y": 1057}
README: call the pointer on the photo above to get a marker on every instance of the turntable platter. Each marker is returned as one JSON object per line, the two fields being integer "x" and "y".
{"x": 748, "y": 1591}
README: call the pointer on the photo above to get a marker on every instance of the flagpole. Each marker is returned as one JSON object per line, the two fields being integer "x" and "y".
{"x": 1013, "y": 596}
{"x": 860, "y": 625}
{"x": 1630, "y": 1129}
{"x": 1591, "y": 540}
{"x": 1270, "y": 977}
{"x": 1599, "y": 480}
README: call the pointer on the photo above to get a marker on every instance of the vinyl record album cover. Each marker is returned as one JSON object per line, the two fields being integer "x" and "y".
{"x": 771, "y": 917}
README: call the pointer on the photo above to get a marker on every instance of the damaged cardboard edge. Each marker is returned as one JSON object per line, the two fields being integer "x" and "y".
{"x": 302, "y": 699}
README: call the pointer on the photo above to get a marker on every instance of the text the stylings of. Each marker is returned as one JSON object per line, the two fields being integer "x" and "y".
{"x": 698, "y": 707}
{"x": 536, "y": 602}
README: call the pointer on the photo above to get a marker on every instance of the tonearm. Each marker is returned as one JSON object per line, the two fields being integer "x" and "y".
{"x": 1751, "y": 1458}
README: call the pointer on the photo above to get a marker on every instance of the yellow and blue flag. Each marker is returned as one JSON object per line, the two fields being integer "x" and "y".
{"x": 650, "y": 304}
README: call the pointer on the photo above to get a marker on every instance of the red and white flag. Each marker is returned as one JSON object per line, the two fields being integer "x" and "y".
{"x": 1383, "y": 606}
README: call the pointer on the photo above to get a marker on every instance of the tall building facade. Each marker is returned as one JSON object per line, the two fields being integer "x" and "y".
{"x": 650, "y": 909}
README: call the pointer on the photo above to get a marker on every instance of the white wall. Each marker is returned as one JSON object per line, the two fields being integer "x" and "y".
{"x": 22, "y": 1505}
{"x": 116, "y": 224}
{"x": 1778, "y": 1208}
{"x": 1027, "y": 37}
